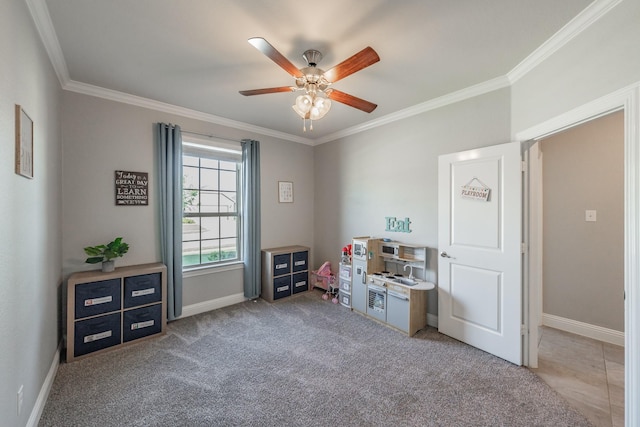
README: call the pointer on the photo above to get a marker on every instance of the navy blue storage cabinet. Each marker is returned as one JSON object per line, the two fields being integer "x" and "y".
{"x": 96, "y": 333}
{"x": 141, "y": 322}
{"x": 300, "y": 282}
{"x": 300, "y": 261}
{"x": 285, "y": 271}
{"x": 107, "y": 310}
{"x": 98, "y": 297}
{"x": 282, "y": 286}
{"x": 142, "y": 289}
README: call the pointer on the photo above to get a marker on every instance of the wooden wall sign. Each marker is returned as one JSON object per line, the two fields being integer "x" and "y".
{"x": 132, "y": 188}
{"x": 475, "y": 192}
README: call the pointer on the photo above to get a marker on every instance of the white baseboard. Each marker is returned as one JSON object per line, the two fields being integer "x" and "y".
{"x": 599, "y": 333}
{"x": 432, "y": 320}
{"x": 203, "y": 307}
{"x": 41, "y": 401}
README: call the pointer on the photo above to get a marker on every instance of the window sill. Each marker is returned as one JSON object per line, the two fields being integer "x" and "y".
{"x": 212, "y": 269}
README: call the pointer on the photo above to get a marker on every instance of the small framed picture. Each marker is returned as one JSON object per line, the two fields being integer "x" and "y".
{"x": 24, "y": 143}
{"x": 285, "y": 191}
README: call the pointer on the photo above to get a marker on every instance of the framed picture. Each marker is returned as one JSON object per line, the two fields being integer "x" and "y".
{"x": 24, "y": 143}
{"x": 132, "y": 188}
{"x": 285, "y": 191}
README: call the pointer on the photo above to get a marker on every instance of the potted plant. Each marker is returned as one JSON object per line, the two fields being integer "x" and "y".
{"x": 106, "y": 253}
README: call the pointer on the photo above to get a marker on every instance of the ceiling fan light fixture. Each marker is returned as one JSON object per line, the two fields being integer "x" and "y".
{"x": 320, "y": 108}
{"x": 311, "y": 107}
{"x": 303, "y": 104}
{"x": 314, "y": 104}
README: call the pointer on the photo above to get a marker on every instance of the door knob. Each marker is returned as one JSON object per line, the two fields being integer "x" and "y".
{"x": 443, "y": 254}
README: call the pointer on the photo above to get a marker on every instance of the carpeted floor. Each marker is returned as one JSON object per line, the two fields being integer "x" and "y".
{"x": 299, "y": 362}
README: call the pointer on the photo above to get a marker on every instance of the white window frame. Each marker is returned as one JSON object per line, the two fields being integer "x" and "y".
{"x": 217, "y": 150}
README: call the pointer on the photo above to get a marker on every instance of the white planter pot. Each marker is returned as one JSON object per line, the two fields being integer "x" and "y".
{"x": 108, "y": 266}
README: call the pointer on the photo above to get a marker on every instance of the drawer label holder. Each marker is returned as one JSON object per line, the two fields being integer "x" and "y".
{"x": 143, "y": 292}
{"x": 98, "y": 336}
{"x": 140, "y": 325}
{"x": 96, "y": 301}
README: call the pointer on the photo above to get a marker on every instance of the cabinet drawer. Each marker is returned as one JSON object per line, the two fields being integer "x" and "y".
{"x": 301, "y": 282}
{"x": 300, "y": 261}
{"x": 96, "y": 333}
{"x": 345, "y": 271}
{"x": 141, "y": 290}
{"x": 97, "y": 298}
{"x": 345, "y": 285}
{"x": 281, "y": 287}
{"x": 345, "y": 299}
{"x": 281, "y": 264}
{"x": 141, "y": 322}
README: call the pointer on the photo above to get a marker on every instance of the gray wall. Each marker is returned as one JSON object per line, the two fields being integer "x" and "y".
{"x": 30, "y": 254}
{"x": 583, "y": 168}
{"x": 101, "y": 136}
{"x": 393, "y": 171}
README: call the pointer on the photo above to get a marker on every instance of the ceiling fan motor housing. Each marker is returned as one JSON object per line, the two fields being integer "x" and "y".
{"x": 312, "y": 57}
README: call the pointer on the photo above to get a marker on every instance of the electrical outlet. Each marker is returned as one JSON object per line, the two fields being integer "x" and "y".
{"x": 20, "y": 399}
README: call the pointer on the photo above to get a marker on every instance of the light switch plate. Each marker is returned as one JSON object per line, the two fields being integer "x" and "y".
{"x": 590, "y": 215}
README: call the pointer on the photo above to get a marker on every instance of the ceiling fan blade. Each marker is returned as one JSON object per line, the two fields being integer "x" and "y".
{"x": 268, "y": 90}
{"x": 351, "y": 100}
{"x": 357, "y": 62}
{"x": 263, "y": 46}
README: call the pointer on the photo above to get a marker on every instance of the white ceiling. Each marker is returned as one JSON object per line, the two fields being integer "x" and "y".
{"x": 194, "y": 53}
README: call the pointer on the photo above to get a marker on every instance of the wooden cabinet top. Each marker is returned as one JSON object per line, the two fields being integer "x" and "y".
{"x": 287, "y": 249}
{"x": 131, "y": 270}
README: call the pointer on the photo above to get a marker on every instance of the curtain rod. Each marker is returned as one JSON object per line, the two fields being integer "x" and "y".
{"x": 209, "y": 136}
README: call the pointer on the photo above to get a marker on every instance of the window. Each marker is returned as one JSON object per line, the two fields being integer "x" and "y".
{"x": 211, "y": 193}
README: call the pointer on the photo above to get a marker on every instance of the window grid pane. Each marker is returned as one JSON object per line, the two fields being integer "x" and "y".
{"x": 210, "y": 211}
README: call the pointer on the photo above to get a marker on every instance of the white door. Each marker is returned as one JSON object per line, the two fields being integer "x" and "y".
{"x": 479, "y": 247}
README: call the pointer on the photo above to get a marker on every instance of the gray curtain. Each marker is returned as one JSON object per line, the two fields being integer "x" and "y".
{"x": 251, "y": 217}
{"x": 169, "y": 149}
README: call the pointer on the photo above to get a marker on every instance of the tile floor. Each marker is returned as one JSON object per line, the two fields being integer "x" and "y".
{"x": 589, "y": 374}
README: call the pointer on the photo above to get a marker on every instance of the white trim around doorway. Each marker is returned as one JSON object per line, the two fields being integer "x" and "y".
{"x": 627, "y": 99}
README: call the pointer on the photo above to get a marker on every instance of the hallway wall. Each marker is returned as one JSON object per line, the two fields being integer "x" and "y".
{"x": 583, "y": 262}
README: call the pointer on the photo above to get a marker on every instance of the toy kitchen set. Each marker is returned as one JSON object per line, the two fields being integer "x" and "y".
{"x": 388, "y": 282}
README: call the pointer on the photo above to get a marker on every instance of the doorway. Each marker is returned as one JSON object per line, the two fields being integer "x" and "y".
{"x": 627, "y": 100}
{"x": 583, "y": 268}
{"x": 583, "y": 229}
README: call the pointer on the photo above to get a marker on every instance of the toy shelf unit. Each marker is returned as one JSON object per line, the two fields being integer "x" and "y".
{"x": 285, "y": 272}
{"x": 396, "y": 256}
{"x": 109, "y": 310}
{"x": 344, "y": 279}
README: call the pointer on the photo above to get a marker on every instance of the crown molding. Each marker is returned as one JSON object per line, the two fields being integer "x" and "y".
{"x": 42, "y": 20}
{"x": 113, "y": 95}
{"x": 573, "y": 28}
{"x": 442, "y": 101}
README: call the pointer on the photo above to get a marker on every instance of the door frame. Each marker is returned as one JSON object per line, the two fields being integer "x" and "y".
{"x": 628, "y": 100}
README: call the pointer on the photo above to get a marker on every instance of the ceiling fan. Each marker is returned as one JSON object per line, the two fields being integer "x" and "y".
{"x": 316, "y": 101}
